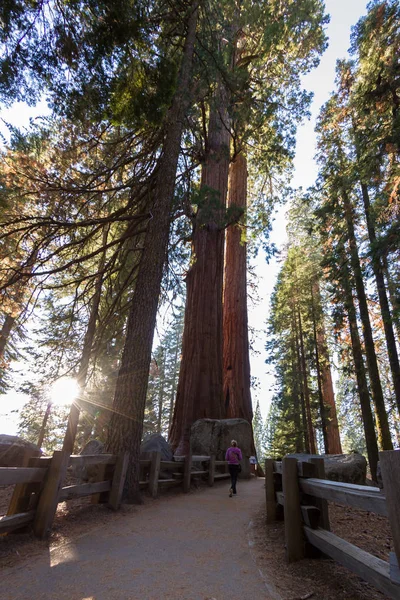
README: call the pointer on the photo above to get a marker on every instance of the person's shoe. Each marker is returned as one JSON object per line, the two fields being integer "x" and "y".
{"x": 230, "y": 493}
{"x": 234, "y": 493}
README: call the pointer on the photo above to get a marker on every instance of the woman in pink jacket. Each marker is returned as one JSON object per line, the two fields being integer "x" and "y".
{"x": 233, "y": 456}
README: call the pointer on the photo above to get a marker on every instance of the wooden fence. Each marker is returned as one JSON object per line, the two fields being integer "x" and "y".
{"x": 299, "y": 491}
{"x": 39, "y": 484}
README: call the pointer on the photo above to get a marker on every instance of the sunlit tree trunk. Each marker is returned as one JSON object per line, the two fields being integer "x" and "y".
{"x": 237, "y": 396}
{"x": 325, "y": 385}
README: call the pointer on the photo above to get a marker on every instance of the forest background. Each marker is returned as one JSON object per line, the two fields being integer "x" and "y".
{"x": 107, "y": 218}
{"x": 320, "y": 81}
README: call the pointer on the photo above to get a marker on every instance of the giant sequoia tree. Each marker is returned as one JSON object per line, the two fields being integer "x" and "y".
{"x": 252, "y": 98}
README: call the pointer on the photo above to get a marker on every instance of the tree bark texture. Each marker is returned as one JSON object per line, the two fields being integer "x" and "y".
{"x": 126, "y": 424}
{"x": 237, "y": 396}
{"x": 384, "y": 437}
{"x": 200, "y": 384}
{"x": 383, "y": 299}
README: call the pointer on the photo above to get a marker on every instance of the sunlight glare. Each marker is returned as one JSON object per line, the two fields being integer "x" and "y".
{"x": 64, "y": 391}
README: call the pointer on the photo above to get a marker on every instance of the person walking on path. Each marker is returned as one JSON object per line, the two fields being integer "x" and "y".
{"x": 233, "y": 456}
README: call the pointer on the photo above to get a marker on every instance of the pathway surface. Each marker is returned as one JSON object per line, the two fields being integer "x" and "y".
{"x": 194, "y": 546}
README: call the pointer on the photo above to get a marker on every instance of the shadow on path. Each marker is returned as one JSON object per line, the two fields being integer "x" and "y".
{"x": 190, "y": 547}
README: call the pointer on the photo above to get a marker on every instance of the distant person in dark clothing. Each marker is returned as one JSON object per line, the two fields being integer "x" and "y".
{"x": 233, "y": 456}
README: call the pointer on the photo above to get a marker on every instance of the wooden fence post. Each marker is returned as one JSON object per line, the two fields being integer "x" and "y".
{"x": 319, "y": 465}
{"x": 390, "y": 467}
{"x": 187, "y": 472}
{"x": 211, "y": 471}
{"x": 47, "y": 505}
{"x": 21, "y": 496}
{"x": 292, "y": 511}
{"x": 270, "y": 491}
{"x": 118, "y": 481}
{"x": 154, "y": 473}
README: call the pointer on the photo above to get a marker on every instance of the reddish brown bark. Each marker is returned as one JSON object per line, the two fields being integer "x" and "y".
{"x": 334, "y": 444}
{"x": 325, "y": 385}
{"x": 236, "y": 362}
{"x": 200, "y": 390}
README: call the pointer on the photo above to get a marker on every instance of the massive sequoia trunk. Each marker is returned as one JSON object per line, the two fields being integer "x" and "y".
{"x": 236, "y": 361}
{"x": 200, "y": 391}
{"x": 384, "y": 436}
{"x": 126, "y": 425}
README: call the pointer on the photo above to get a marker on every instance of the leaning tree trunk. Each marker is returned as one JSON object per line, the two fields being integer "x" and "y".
{"x": 126, "y": 424}
{"x": 383, "y": 299}
{"x": 384, "y": 436}
{"x": 200, "y": 389}
{"x": 368, "y": 421}
{"x": 236, "y": 362}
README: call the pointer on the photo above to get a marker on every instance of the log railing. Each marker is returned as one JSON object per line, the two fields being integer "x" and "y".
{"x": 39, "y": 485}
{"x": 298, "y": 491}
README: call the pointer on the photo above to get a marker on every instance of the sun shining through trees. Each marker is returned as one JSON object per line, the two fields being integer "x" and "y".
{"x": 64, "y": 391}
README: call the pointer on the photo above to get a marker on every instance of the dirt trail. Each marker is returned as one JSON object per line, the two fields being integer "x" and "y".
{"x": 185, "y": 547}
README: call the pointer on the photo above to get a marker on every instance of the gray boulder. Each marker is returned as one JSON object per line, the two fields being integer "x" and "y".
{"x": 348, "y": 468}
{"x": 86, "y": 473}
{"x": 213, "y": 437}
{"x": 13, "y": 448}
{"x": 155, "y": 442}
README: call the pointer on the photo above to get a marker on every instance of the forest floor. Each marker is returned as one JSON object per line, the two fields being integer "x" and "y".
{"x": 200, "y": 546}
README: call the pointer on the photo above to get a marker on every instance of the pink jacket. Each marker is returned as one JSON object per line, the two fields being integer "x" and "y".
{"x": 233, "y": 455}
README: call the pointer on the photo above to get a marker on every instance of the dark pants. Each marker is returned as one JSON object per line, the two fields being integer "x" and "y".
{"x": 234, "y": 470}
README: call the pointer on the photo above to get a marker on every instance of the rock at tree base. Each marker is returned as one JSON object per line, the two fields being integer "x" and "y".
{"x": 12, "y": 450}
{"x": 347, "y": 468}
{"x": 155, "y": 442}
{"x": 213, "y": 437}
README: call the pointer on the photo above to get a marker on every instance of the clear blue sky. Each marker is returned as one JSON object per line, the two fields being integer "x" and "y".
{"x": 344, "y": 14}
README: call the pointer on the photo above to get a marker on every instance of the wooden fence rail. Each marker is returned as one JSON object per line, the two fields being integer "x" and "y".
{"x": 300, "y": 488}
{"x": 39, "y": 483}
